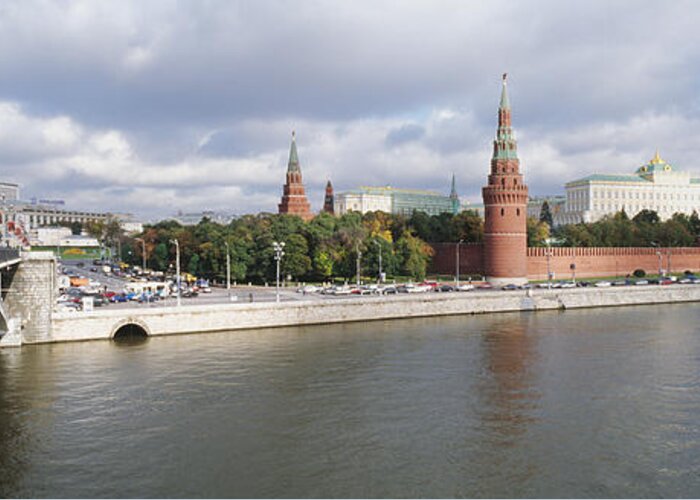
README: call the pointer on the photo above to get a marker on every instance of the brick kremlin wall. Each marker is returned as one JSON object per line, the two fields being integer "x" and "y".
{"x": 590, "y": 262}
{"x": 471, "y": 260}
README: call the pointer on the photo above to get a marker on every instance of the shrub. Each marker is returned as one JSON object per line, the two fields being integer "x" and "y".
{"x": 688, "y": 272}
{"x": 639, "y": 273}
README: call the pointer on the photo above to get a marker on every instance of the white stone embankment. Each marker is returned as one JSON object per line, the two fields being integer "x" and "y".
{"x": 102, "y": 324}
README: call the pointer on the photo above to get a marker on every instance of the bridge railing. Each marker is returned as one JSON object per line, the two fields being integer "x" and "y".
{"x": 7, "y": 254}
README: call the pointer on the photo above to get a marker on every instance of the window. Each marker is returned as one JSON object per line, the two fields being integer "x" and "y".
{"x": 503, "y": 212}
{"x": 517, "y": 212}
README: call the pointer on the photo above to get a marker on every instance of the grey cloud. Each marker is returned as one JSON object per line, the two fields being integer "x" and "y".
{"x": 205, "y": 94}
{"x": 403, "y": 134}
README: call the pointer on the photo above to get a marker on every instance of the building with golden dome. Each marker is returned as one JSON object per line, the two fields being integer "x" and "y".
{"x": 657, "y": 186}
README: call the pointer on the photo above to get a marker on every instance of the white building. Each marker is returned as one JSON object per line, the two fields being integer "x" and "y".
{"x": 9, "y": 191}
{"x": 397, "y": 201}
{"x": 61, "y": 237}
{"x": 361, "y": 201}
{"x": 654, "y": 186}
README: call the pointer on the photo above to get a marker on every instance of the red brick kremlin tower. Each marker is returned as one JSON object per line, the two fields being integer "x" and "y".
{"x": 505, "y": 204}
{"x": 294, "y": 200}
{"x": 328, "y": 199}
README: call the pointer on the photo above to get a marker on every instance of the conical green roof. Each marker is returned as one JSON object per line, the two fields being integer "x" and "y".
{"x": 505, "y": 103}
{"x": 453, "y": 191}
{"x": 293, "y": 165}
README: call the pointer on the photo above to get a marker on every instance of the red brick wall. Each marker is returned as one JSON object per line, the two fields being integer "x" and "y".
{"x": 470, "y": 259}
{"x": 590, "y": 262}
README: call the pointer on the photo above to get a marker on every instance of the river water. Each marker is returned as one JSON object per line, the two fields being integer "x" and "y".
{"x": 590, "y": 403}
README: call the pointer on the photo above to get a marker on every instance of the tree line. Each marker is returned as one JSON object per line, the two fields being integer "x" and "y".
{"x": 645, "y": 229}
{"x": 323, "y": 249}
{"x": 328, "y": 247}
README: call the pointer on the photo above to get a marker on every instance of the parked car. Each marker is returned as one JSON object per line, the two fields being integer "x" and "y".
{"x": 445, "y": 288}
{"x": 641, "y": 282}
{"x": 465, "y": 287}
{"x": 603, "y": 284}
{"x": 509, "y": 287}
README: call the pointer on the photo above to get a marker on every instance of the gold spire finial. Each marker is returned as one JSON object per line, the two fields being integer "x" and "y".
{"x": 657, "y": 158}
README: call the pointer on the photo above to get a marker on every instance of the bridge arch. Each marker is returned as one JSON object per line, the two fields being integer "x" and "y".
{"x": 129, "y": 327}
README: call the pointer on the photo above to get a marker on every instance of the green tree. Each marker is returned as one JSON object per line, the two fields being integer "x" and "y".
{"x": 415, "y": 255}
{"x": 546, "y": 214}
{"x": 537, "y": 232}
{"x": 193, "y": 266}
{"x": 469, "y": 226}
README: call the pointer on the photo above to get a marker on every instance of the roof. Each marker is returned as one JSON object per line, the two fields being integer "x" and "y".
{"x": 629, "y": 178}
{"x": 389, "y": 190}
{"x": 655, "y": 165}
{"x": 293, "y": 165}
{"x": 505, "y": 103}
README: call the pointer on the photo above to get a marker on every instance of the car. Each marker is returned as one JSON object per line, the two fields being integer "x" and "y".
{"x": 93, "y": 269}
{"x": 80, "y": 264}
{"x": 465, "y": 287}
{"x": 303, "y": 289}
{"x": 621, "y": 283}
{"x": 666, "y": 281}
{"x": 385, "y": 290}
{"x": 603, "y": 284}
{"x": 445, "y": 288}
{"x": 685, "y": 281}
{"x": 641, "y": 282}
{"x": 509, "y": 287}
{"x": 485, "y": 286}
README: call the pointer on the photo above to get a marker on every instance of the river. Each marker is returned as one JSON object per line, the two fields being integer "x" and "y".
{"x": 586, "y": 403}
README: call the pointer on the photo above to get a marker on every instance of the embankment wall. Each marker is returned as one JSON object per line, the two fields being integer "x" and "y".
{"x": 198, "y": 319}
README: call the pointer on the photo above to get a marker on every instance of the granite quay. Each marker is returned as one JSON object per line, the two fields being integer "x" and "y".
{"x": 210, "y": 318}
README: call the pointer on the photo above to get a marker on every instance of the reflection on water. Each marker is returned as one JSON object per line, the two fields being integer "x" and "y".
{"x": 510, "y": 356}
{"x": 585, "y": 403}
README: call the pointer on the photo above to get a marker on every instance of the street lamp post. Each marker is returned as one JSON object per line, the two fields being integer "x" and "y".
{"x": 359, "y": 262}
{"x": 457, "y": 262}
{"x": 143, "y": 251}
{"x": 660, "y": 257}
{"x": 549, "y": 268}
{"x": 379, "y": 245}
{"x": 279, "y": 253}
{"x": 177, "y": 269}
{"x": 228, "y": 271}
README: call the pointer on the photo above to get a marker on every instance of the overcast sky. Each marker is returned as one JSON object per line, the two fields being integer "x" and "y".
{"x": 153, "y": 107}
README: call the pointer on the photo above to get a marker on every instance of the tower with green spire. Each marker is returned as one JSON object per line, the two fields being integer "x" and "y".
{"x": 505, "y": 206}
{"x": 454, "y": 197}
{"x": 294, "y": 200}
